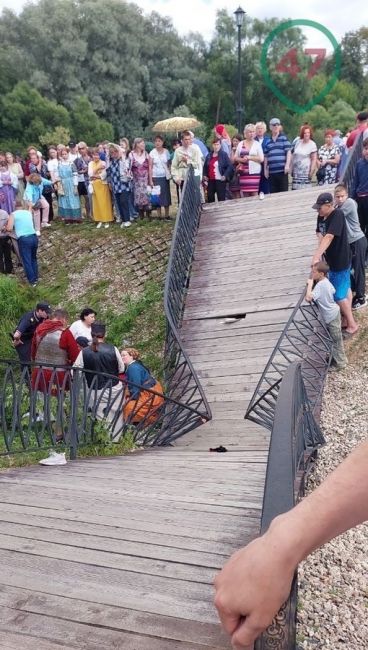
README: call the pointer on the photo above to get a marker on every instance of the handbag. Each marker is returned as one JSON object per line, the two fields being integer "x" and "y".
{"x": 90, "y": 188}
{"x": 321, "y": 174}
{"x": 154, "y": 195}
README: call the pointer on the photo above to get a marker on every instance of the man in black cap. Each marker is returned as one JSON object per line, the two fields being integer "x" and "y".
{"x": 334, "y": 245}
{"x": 22, "y": 337}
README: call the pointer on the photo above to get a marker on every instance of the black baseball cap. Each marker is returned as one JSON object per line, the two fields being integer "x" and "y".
{"x": 323, "y": 199}
{"x": 44, "y": 306}
{"x": 72, "y": 144}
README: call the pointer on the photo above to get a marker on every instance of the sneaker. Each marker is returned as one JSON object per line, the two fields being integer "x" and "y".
{"x": 117, "y": 220}
{"x": 99, "y": 225}
{"x": 107, "y": 225}
{"x": 34, "y": 284}
{"x": 54, "y": 459}
{"x": 38, "y": 233}
{"x": 358, "y": 303}
{"x": 125, "y": 224}
{"x": 45, "y": 225}
{"x": 261, "y": 196}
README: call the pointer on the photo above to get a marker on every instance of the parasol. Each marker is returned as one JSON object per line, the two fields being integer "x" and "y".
{"x": 175, "y": 124}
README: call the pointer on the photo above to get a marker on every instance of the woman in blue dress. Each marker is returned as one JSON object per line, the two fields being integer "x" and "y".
{"x": 69, "y": 208}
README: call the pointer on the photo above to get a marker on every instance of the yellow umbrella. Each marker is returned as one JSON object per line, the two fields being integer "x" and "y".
{"x": 175, "y": 124}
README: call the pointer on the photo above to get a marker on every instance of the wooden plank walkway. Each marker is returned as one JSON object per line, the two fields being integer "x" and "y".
{"x": 121, "y": 552}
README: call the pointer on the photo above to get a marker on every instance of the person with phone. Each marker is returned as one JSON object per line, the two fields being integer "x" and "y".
{"x": 22, "y": 337}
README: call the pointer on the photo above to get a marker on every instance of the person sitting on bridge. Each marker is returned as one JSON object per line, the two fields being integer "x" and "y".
{"x": 323, "y": 294}
{"x": 257, "y": 579}
{"x": 142, "y": 405}
{"x": 333, "y": 244}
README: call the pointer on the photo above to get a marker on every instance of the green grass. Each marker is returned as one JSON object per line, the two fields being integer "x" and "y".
{"x": 134, "y": 317}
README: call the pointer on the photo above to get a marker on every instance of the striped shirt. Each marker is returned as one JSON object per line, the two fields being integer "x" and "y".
{"x": 276, "y": 151}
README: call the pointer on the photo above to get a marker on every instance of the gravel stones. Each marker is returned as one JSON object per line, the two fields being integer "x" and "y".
{"x": 333, "y": 587}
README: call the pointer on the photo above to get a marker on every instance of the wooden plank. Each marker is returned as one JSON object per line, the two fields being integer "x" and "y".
{"x": 103, "y": 616}
{"x": 81, "y": 636}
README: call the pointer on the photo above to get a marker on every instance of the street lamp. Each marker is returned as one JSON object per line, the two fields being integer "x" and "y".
{"x": 239, "y": 19}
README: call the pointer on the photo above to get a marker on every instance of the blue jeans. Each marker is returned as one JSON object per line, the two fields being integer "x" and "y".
{"x": 123, "y": 203}
{"x": 28, "y": 251}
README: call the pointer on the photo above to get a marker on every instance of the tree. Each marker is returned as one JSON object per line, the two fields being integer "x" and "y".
{"x": 86, "y": 125}
{"x": 25, "y": 114}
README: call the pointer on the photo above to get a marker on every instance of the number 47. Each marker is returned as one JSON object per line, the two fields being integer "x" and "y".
{"x": 289, "y": 62}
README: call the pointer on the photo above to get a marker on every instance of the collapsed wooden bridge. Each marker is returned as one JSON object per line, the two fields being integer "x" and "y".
{"x": 122, "y": 552}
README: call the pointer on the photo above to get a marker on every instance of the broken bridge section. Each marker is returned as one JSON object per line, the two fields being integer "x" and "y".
{"x": 251, "y": 262}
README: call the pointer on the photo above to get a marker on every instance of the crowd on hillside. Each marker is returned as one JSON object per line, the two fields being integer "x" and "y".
{"x": 113, "y": 183}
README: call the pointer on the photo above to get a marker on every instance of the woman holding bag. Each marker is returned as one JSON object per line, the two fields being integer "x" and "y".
{"x": 249, "y": 156}
{"x": 159, "y": 174}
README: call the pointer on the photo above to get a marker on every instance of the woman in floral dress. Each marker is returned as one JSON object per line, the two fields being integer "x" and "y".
{"x": 69, "y": 208}
{"x": 140, "y": 171}
{"x": 328, "y": 159}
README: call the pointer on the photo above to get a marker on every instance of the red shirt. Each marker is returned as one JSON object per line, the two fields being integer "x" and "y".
{"x": 354, "y": 134}
{"x": 212, "y": 168}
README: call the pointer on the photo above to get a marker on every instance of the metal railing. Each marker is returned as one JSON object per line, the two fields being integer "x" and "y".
{"x": 305, "y": 337}
{"x": 349, "y": 172}
{"x": 47, "y": 406}
{"x": 295, "y": 438}
{"x": 68, "y": 408}
{"x": 181, "y": 380}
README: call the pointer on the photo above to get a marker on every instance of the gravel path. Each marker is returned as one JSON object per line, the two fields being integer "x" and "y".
{"x": 333, "y": 592}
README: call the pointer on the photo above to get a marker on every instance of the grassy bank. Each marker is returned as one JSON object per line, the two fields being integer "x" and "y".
{"x": 118, "y": 272}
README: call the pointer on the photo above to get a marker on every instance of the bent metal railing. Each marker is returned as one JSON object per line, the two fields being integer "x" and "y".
{"x": 305, "y": 337}
{"x": 295, "y": 438}
{"x": 47, "y": 406}
{"x": 181, "y": 380}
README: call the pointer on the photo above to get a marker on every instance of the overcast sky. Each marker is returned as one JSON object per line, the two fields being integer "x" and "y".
{"x": 199, "y": 15}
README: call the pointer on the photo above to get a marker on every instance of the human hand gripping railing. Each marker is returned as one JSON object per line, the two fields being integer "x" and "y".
{"x": 304, "y": 337}
{"x": 43, "y": 406}
{"x": 181, "y": 379}
{"x": 295, "y": 437}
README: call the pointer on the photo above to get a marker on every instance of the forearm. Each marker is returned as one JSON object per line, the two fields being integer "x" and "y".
{"x": 323, "y": 245}
{"x": 338, "y": 504}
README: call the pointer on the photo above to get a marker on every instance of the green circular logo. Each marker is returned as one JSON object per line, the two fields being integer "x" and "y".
{"x": 289, "y": 63}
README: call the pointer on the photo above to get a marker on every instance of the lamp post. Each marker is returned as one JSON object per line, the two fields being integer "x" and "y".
{"x": 239, "y": 18}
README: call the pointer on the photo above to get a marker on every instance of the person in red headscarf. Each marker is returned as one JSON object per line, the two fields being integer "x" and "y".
{"x": 225, "y": 140}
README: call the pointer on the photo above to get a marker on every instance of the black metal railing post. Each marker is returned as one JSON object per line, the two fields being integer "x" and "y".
{"x": 295, "y": 438}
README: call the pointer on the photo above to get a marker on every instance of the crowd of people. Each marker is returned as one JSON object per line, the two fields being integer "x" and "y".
{"x": 121, "y": 387}
{"x": 115, "y": 183}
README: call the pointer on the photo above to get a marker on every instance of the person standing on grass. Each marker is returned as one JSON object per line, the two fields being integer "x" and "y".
{"x": 358, "y": 244}
{"x": 277, "y": 158}
{"x": 217, "y": 171}
{"x": 333, "y": 244}
{"x": 323, "y": 295}
{"x": 6, "y": 263}
{"x": 21, "y": 221}
{"x": 23, "y": 334}
{"x": 159, "y": 173}
{"x": 99, "y": 191}
{"x": 119, "y": 182}
{"x": 185, "y": 156}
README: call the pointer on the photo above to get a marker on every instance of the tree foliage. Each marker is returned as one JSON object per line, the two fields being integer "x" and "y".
{"x": 104, "y": 69}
